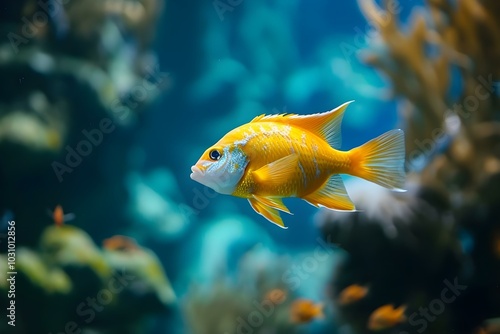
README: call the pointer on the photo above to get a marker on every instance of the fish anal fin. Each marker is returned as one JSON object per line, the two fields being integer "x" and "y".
{"x": 326, "y": 125}
{"x": 332, "y": 195}
{"x": 267, "y": 212}
{"x": 277, "y": 172}
{"x": 273, "y": 202}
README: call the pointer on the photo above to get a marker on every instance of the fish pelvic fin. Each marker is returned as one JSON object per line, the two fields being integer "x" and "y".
{"x": 273, "y": 202}
{"x": 277, "y": 172}
{"x": 332, "y": 195}
{"x": 381, "y": 160}
{"x": 267, "y": 212}
{"x": 325, "y": 125}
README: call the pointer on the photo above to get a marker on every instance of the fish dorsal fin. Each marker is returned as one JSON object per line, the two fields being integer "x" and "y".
{"x": 267, "y": 212}
{"x": 331, "y": 195}
{"x": 277, "y": 172}
{"x": 273, "y": 202}
{"x": 326, "y": 125}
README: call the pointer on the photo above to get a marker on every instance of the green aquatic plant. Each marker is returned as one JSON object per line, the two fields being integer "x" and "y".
{"x": 72, "y": 283}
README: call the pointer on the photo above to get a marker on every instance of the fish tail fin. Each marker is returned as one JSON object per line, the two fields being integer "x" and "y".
{"x": 381, "y": 160}
{"x": 401, "y": 312}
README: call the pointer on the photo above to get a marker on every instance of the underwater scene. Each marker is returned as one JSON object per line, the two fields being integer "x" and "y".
{"x": 250, "y": 167}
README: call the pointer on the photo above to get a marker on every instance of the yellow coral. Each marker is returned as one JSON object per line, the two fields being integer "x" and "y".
{"x": 466, "y": 36}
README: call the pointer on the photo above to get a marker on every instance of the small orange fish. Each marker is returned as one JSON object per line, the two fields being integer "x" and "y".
{"x": 288, "y": 155}
{"x": 386, "y": 317}
{"x": 59, "y": 217}
{"x": 305, "y": 310}
{"x": 276, "y": 296}
{"x": 490, "y": 326}
{"x": 480, "y": 330}
{"x": 120, "y": 242}
{"x": 352, "y": 294}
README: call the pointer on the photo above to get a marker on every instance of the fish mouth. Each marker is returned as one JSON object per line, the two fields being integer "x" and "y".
{"x": 197, "y": 173}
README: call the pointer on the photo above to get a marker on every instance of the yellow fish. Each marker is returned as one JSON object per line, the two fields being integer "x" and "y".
{"x": 386, "y": 317}
{"x": 304, "y": 310}
{"x": 288, "y": 155}
{"x": 352, "y": 294}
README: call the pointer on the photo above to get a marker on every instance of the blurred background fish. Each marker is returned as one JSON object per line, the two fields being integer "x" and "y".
{"x": 276, "y": 296}
{"x": 120, "y": 242}
{"x": 59, "y": 217}
{"x": 304, "y": 311}
{"x": 352, "y": 294}
{"x": 386, "y": 316}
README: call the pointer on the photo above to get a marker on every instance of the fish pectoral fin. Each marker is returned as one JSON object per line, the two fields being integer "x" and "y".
{"x": 277, "y": 172}
{"x": 331, "y": 195}
{"x": 273, "y": 202}
{"x": 267, "y": 212}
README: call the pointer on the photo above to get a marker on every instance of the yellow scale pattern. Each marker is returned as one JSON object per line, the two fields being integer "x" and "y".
{"x": 270, "y": 141}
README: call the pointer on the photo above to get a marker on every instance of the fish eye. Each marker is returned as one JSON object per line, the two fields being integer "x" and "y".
{"x": 215, "y": 154}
